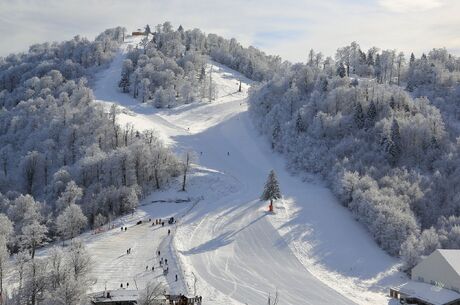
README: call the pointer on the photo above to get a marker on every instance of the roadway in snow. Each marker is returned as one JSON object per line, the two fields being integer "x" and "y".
{"x": 228, "y": 248}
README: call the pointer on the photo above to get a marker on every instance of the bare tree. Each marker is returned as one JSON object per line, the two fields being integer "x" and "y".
{"x": 151, "y": 294}
{"x": 186, "y": 168}
{"x": 400, "y": 62}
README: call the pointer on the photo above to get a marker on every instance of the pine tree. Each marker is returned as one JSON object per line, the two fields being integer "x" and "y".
{"x": 147, "y": 29}
{"x": 359, "y": 116}
{"x": 394, "y": 146}
{"x": 202, "y": 74}
{"x": 271, "y": 189}
{"x": 371, "y": 115}
{"x": 124, "y": 83}
{"x": 412, "y": 60}
{"x": 299, "y": 124}
{"x": 341, "y": 71}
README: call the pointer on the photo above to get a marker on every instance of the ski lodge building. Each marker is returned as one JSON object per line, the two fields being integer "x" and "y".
{"x": 435, "y": 281}
{"x": 130, "y": 297}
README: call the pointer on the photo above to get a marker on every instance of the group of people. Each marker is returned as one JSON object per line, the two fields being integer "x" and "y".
{"x": 163, "y": 261}
{"x": 158, "y": 222}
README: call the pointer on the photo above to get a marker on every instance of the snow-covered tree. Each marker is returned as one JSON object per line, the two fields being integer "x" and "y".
{"x": 359, "y": 116}
{"x": 33, "y": 236}
{"x": 271, "y": 189}
{"x": 71, "y": 221}
{"x": 71, "y": 195}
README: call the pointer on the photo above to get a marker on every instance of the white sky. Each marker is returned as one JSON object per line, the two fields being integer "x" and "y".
{"x": 288, "y": 28}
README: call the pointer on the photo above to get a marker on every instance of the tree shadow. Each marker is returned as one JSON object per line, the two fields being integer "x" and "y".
{"x": 222, "y": 240}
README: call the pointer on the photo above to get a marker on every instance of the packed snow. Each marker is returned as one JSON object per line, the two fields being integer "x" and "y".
{"x": 228, "y": 248}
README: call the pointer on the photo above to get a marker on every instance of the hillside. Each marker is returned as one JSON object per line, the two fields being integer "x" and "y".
{"x": 235, "y": 250}
{"x": 106, "y": 137}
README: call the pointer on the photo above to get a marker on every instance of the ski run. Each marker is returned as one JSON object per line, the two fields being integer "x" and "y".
{"x": 225, "y": 245}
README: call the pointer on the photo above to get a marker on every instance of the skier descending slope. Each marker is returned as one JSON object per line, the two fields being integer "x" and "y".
{"x": 271, "y": 190}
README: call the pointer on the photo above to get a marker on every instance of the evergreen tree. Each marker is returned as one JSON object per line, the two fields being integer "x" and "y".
{"x": 412, "y": 60}
{"x": 394, "y": 147}
{"x": 341, "y": 71}
{"x": 371, "y": 115}
{"x": 271, "y": 189}
{"x": 124, "y": 83}
{"x": 299, "y": 124}
{"x": 378, "y": 68}
{"x": 359, "y": 116}
{"x": 202, "y": 74}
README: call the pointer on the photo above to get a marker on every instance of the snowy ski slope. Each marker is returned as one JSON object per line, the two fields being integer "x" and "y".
{"x": 229, "y": 249}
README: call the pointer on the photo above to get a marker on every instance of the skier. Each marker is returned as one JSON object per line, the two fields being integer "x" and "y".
{"x": 169, "y": 231}
{"x": 146, "y": 268}
{"x": 176, "y": 277}
{"x": 127, "y": 285}
{"x": 166, "y": 261}
{"x": 121, "y": 229}
{"x": 126, "y": 228}
{"x": 228, "y": 153}
{"x": 153, "y": 268}
{"x": 162, "y": 223}
{"x": 158, "y": 252}
{"x": 127, "y": 251}
{"x": 121, "y": 285}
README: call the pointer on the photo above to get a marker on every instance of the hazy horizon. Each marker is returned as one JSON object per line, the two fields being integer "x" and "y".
{"x": 289, "y": 29}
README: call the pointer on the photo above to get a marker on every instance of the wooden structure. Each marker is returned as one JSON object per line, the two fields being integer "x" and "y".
{"x": 182, "y": 300}
{"x": 115, "y": 297}
{"x": 130, "y": 297}
{"x": 137, "y": 33}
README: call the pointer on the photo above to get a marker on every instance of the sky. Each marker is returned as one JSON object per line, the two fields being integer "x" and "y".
{"x": 289, "y": 28}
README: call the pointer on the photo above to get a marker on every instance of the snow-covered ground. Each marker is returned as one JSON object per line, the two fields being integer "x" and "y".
{"x": 229, "y": 249}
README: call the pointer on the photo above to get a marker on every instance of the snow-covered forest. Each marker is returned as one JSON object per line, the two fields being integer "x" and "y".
{"x": 382, "y": 130}
{"x": 170, "y": 68}
{"x": 66, "y": 164}
{"x": 379, "y": 126}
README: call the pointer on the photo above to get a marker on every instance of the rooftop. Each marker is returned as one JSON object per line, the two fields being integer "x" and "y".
{"x": 452, "y": 257}
{"x": 115, "y": 295}
{"x": 429, "y": 293}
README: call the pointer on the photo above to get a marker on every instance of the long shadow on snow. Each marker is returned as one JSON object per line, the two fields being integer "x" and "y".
{"x": 224, "y": 239}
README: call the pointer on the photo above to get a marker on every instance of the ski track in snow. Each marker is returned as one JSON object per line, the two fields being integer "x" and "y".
{"x": 311, "y": 250}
